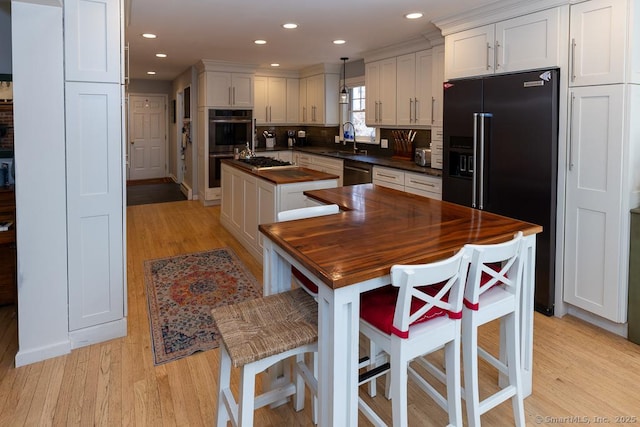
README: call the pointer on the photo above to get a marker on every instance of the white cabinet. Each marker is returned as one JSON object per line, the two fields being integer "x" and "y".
{"x": 437, "y": 89}
{"x": 92, "y": 40}
{"x": 270, "y": 99}
{"x": 285, "y": 155}
{"x": 380, "y": 81}
{"x": 436, "y": 147}
{"x": 293, "y": 100}
{"x": 248, "y": 201}
{"x": 225, "y": 89}
{"x": 413, "y": 89}
{"x": 423, "y": 185}
{"x": 319, "y": 99}
{"x": 597, "y": 206}
{"x": 522, "y": 43}
{"x": 598, "y": 30}
{"x": 320, "y": 163}
{"x": 410, "y": 182}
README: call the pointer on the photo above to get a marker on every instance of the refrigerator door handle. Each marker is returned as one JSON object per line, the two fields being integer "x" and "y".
{"x": 482, "y": 116}
{"x": 475, "y": 169}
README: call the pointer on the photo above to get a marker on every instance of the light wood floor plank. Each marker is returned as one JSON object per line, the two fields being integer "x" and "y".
{"x": 579, "y": 370}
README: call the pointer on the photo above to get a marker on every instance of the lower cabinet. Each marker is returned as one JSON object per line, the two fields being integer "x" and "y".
{"x": 248, "y": 201}
{"x": 414, "y": 183}
{"x": 320, "y": 163}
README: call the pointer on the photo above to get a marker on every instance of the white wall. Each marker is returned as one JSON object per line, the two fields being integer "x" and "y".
{"x": 187, "y": 78}
{"x": 38, "y": 80}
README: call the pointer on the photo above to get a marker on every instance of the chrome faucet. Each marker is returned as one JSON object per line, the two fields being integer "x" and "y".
{"x": 344, "y": 142}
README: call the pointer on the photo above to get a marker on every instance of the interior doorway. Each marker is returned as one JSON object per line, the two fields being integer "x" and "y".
{"x": 148, "y": 143}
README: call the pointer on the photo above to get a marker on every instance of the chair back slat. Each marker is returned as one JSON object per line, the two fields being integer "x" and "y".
{"x": 439, "y": 284}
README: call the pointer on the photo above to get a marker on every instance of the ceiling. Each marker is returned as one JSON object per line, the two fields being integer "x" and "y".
{"x": 190, "y": 30}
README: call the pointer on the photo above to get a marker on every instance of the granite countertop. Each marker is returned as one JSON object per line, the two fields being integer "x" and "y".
{"x": 406, "y": 165}
{"x": 285, "y": 175}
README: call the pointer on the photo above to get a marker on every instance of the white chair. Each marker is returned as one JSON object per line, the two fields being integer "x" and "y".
{"x": 301, "y": 213}
{"x": 256, "y": 334}
{"x": 493, "y": 292}
{"x": 417, "y": 314}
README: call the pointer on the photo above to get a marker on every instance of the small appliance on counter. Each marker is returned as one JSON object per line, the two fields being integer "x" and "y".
{"x": 270, "y": 138}
{"x": 291, "y": 140}
{"x": 302, "y": 138}
{"x": 423, "y": 156}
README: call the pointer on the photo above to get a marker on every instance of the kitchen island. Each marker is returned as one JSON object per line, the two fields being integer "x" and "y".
{"x": 252, "y": 196}
{"x": 352, "y": 252}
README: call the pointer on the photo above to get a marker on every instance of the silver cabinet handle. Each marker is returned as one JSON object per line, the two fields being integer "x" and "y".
{"x": 433, "y": 107}
{"x": 488, "y": 47}
{"x": 270, "y": 116}
{"x": 234, "y": 95}
{"x": 230, "y": 100}
{"x": 415, "y": 110}
{"x": 387, "y": 176}
{"x": 573, "y": 98}
{"x": 422, "y": 183}
{"x": 410, "y": 110}
{"x": 266, "y": 114}
{"x": 380, "y": 109}
{"x": 573, "y": 59}
{"x": 497, "y": 55}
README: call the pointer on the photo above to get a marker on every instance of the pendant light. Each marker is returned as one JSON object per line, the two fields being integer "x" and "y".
{"x": 344, "y": 93}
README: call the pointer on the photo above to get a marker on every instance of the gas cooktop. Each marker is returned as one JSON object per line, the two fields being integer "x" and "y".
{"x": 261, "y": 162}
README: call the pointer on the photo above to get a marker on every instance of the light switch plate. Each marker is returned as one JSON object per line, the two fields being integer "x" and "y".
{"x": 384, "y": 143}
{"x": 336, "y": 139}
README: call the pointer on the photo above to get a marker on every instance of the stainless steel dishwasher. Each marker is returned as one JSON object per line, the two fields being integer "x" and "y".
{"x": 356, "y": 173}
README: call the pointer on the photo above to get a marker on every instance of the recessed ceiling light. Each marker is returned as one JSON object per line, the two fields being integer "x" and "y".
{"x": 151, "y": 73}
{"x": 339, "y": 42}
{"x": 149, "y": 36}
{"x": 161, "y": 55}
{"x": 290, "y": 25}
{"x": 260, "y": 42}
{"x": 275, "y": 64}
{"x": 414, "y": 15}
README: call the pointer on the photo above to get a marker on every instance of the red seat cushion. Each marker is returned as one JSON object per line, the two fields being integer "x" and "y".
{"x": 377, "y": 306}
{"x": 304, "y": 280}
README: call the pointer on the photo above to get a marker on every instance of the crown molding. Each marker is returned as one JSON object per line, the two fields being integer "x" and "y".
{"x": 321, "y": 69}
{"x": 274, "y": 72}
{"x": 214, "y": 65}
{"x": 409, "y": 46}
{"x": 494, "y": 12}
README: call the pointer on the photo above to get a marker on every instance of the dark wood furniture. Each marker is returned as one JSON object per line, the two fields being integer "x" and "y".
{"x": 8, "y": 290}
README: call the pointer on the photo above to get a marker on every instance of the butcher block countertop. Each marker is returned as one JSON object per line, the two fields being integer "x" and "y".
{"x": 379, "y": 227}
{"x": 285, "y": 175}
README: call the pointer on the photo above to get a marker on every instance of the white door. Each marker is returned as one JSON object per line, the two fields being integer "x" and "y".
{"x": 147, "y": 137}
{"x": 594, "y": 188}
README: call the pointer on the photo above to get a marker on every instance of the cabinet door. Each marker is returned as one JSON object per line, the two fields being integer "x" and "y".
{"x": 597, "y": 33}
{"x": 303, "y": 113}
{"x": 406, "y": 89}
{"x": 218, "y": 89}
{"x": 277, "y": 99}
{"x": 423, "y": 102}
{"x": 242, "y": 90}
{"x": 92, "y": 40}
{"x": 94, "y": 203}
{"x": 315, "y": 99}
{"x": 293, "y": 101}
{"x": 372, "y": 82}
{"x": 469, "y": 53}
{"x": 261, "y": 106}
{"x": 594, "y": 194}
{"x": 423, "y": 185}
{"x": 528, "y": 42}
{"x": 387, "y": 92}
{"x": 437, "y": 89}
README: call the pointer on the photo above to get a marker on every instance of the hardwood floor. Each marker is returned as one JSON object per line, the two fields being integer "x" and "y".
{"x": 579, "y": 370}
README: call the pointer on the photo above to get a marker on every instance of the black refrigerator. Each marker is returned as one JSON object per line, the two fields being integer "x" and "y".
{"x": 501, "y": 155}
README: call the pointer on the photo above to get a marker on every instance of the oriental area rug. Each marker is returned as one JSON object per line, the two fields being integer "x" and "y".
{"x": 182, "y": 290}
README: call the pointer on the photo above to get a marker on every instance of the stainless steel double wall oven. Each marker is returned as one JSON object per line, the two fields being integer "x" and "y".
{"x": 228, "y": 129}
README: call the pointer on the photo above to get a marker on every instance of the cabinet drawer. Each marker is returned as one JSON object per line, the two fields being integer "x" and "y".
{"x": 390, "y": 176}
{"x": 436, "y": 160}
{"x": 423, "y": 182}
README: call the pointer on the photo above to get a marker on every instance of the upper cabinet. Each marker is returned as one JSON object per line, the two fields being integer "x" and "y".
{"x": 598, "y": 30}
{"x": 319, "y": 99}
{"x": 270, "y": 100}
{"x": 522, "y": 43}
{"x": 224, "y": 85}
{"x": 413, "y": 89}
{"x": 380, "y": 81}
{"x": 92, "y": 41}
{"x": 437, "y": 89}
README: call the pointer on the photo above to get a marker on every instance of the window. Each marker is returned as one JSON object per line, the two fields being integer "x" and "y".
{"x": 358, "y": 115}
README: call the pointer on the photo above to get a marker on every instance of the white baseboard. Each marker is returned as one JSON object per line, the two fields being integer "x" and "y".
{"x": 186, "y": 190}
{"x": 616, "y": 328}
{"x": 99, "y": 333}
{"x": 42, "y": 353}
